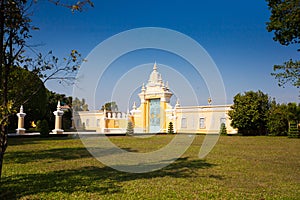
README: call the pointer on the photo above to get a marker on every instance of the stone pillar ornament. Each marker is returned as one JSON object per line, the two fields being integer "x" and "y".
{"x": 58, "y": 120}
{"x": 134, "y": 106}
{"x": 21, "y": 116}
{"x": 209, "y": 101}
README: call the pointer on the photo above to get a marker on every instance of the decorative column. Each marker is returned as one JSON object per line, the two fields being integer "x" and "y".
{"x": 103, "y": 125}
{"x": 175, "y": 115}
{"x": 21, "y": 115}
{"x": 144, "y": 113}
{"x": 58, "y": 120}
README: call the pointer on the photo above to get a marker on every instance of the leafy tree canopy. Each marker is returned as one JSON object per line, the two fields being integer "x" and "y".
{"x": 110, "y": 106}
{"x": 279, "y": 117}
{"x": 249, "y": 112}
{"x": 289, "y": 72}
{"x": 79, "y": 105}
{"x": 285, "y": 23}
{"x": 22, "y": 83}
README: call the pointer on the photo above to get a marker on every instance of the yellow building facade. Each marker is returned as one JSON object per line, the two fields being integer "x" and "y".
{"x": 155, "y": 114}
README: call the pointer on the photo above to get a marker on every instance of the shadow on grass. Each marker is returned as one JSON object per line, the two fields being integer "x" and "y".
{"x": 91, "y": 179}
{"x": 23, "y": 157}
{"x": 17, "y": 141}
{"x": 22, "y": 141}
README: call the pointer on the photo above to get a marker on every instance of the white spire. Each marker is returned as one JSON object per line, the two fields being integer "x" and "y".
{"x": 160, "y": 79}
{"x": 128, "y": 113}
{"x": 155, "y": 66}
{"x": 21, "y": 109}
{"x": 134, "y": 106}
{"x": 177, "y": 103}
{"x": 163, "y": 85}
{"x": 154, "y": 76}
{"x": 58, "y": 105}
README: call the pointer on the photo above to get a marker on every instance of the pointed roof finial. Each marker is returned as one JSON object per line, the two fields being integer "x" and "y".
{"x": 163, "y": 85}
{"x": 160, "y": 81}
{"x": 143, "y": 87}
{"x": 134, "y": 106}
{"x": 58, "y": 105}
{"x": 21, "y": 109}
{"x": 128, "y": 113}
{"x": 209, "y": 100}
{"x": 155, "y": 66}
{"x": 177, "y": 103}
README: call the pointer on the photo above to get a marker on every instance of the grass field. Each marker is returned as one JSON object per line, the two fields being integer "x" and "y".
{"x": 237, "y": 168}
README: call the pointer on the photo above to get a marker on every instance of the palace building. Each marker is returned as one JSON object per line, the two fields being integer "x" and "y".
{"x": 155, "y": 113}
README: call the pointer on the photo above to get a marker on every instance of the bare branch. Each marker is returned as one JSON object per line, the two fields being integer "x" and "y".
{"x": 78, "y": 6}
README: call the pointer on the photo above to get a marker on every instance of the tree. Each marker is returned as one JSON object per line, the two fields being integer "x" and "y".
{"x": 170, "y": 128}
{"x": 249, "y": 113}
{"x": 223, "y": 130}
{"x": 15, "y": 26}
{"x": 280, "y": 116}
{"x": 289, "y": 72}
{"x": 277, "y": 119}
{"x": 20, "y": 87}
{"x": 78, "y": 105}
{"x": 110, "y": 106}
{"x": 285, "y": 23}
{"x": 14, "y": 30}
{"x": 42, "y": 127}
{"x": 293, "y": 112}
{"x": 78, "y": 6}
{"x": 130, "y": 129}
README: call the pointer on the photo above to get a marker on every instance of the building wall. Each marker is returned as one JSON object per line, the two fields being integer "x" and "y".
{"x": 194, "y": 119}
{"x": 203, "y": 119}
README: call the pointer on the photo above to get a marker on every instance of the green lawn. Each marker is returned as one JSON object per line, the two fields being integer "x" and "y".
{"x": 237, "y": 168}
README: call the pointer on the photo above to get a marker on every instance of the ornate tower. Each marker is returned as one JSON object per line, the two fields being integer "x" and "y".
{"x": 155, "y": 99}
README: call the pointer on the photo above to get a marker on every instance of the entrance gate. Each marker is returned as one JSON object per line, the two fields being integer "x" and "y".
{"x": 154, "y": 116}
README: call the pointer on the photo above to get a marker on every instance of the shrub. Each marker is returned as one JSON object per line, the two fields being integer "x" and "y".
{"x": 129, "y": 130}
{"x": 223, "y": 130}
{"x": 170, "y": 128}
{"x": 42, "y": 127}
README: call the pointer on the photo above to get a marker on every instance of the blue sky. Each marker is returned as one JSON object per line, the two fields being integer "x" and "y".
{"x": 232, "y": 32}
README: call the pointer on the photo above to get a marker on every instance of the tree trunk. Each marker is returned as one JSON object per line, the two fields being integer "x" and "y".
{"x": 3, "y": 145}
{"x": 3, "y": 135}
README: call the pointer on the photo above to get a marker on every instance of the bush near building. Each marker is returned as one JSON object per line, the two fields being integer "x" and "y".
{"x": 170, "y": 128}
{"x": 130, "y": 129}
{"x": 223, "y": 130}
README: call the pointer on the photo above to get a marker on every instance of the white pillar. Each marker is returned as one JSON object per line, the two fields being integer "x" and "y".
{"x": 103, "y": 121}
{"x": 21, "y": 115}
{"x": 58, "y": 120}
